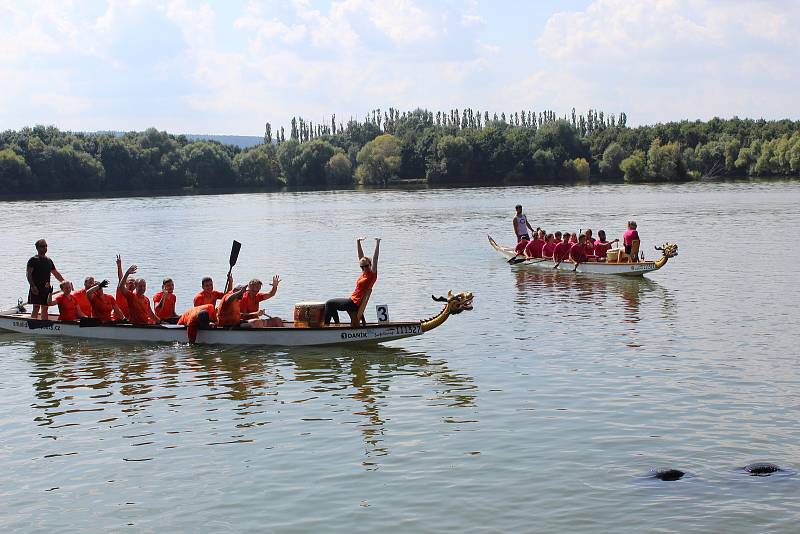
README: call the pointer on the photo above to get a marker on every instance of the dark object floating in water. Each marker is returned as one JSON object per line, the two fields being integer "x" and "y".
{"x": 667, "y": 474}
{"x": 762, "y": 469}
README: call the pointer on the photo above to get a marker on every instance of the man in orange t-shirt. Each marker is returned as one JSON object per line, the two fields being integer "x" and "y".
{"x": 208, "y": 295}
{"x": 80, "y": 296}
{"x": 229, "y": 309}
{"x": 104, "y": 307}
{"x": 252, "y": 297}
{"x": 138, "y": 303}
{"x": 197, "y": 318}
{"x": 131, "y": 286}
{"x": 164, "y": 301}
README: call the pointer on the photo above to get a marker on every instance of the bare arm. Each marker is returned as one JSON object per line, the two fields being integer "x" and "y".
{"x": 124, "y": 279}
{"x": 228, "y": 283}
{"x": 119, "y": 267}
{"x": 360, "y": 250}
{"x": 375, "y": 255}
{"x": 57, "y": 274}
{"x": 275, "y": 281}
{"x": 29, "y": 276}
{"x": 91, "y": 290}
{"x": 117, "y": 311}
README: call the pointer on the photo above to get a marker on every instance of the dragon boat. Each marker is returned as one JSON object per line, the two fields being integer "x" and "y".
{"x": 638, "y": 268}
{"x": 291, "y": 334}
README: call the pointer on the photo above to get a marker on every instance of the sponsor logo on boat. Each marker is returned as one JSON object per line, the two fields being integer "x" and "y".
{"x": 644, "y": 267}
{"x": 353, "y": 335}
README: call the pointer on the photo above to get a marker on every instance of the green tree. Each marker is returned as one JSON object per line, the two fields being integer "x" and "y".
{"x": 209, "y": 165}
{"x": 339, "y": 170}
{"x": 15, "y": 175}
{"x": 258, "y": 167}
{"x": 612, "y": 158}
{"x": 634, "y": 167}
{"x": 379, "y": 160}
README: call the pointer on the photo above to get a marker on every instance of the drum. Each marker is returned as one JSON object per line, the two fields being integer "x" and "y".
{"x": 309, "y": 314}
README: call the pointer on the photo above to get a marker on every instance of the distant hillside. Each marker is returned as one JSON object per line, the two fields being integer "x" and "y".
{"x": 243, "y": 141}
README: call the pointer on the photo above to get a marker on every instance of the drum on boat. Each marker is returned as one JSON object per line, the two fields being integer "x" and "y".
{"x": 309, "y": 314}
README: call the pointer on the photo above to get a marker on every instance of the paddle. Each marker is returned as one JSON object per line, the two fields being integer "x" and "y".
{"x": 235, "y": 248}
{"x": 515, "y": 260}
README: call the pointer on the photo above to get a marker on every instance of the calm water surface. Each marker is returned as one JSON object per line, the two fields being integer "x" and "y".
{"x": 539, "y": 411}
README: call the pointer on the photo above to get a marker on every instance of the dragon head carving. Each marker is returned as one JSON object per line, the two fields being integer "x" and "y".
{"x": 456, "y": 303}
{"x": 670, "y": 250}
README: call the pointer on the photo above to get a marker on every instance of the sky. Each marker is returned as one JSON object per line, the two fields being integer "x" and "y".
{"x": 228, "y": 67}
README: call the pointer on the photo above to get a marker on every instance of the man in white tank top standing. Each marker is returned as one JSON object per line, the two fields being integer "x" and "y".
{"x": 521, "y": 225}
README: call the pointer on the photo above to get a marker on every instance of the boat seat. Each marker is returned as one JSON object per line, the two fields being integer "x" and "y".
{"x": 358, "y": 316}
{"x": 634, "y": 257}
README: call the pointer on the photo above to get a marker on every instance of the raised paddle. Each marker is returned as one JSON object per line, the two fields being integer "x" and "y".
{"x": 235, "y": 248}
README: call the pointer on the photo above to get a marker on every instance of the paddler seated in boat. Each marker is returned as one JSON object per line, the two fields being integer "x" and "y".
{"x": 229, "y": 311}
{"x": 139, "y": 309}
{"x": 104, "y": 307}
{"x": 68, "y": 308}
{"x": 521, "y": 225}
{"x": 164, "y": 302}
{"x": 589, "y": 246}
{"x": 521, "y": 244}
{"x": 561, "y": 250}
{"x": 577, "y": 253}
{"x": 252, "y": 296}
{"x": 535, "y": 245}
{"x": 548, "y": 247}
{"x": 601, "y": 246}
{"x": 631, "y": 241}
{"x": 364, "y": 283}
{"x": 80, "y": 296}
{"x": 208, "y": 295}
{"x": 198, "y": 318}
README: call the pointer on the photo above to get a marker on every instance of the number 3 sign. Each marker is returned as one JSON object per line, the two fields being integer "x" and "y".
{"x": 382, "y": 310}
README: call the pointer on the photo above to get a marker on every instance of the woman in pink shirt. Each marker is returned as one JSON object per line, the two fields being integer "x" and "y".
{"x": 548, "y": 247}
{"x": 629, "y": 237}
{"x": 601, "y": 246}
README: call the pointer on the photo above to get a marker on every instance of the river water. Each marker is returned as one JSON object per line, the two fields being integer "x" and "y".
{"x": 540, "y": 411}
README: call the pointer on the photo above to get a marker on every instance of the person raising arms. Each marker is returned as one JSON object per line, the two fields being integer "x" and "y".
{"x": 601, "y": 246}
{"x": 252, "y": 297}
{"x": 122, "y": 302}
{"x": 104, "y": 307}
{"x": 364, "y": 283}
{"x": 38, "y": 272}
{"x": 138, "y": 303}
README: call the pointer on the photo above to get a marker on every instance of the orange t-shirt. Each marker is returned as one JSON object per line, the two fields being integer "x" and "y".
{"x": 229, "y": 311}
{"x": 83, "y": 302}
{"x": 364, "y": 283}
{"x": 103, "y": 307}
{"x": 208, "y": 298}
{"x": 122, "y": 303}
{"x": 139, "y": 306}
{"x": 67, "y": 307}
{"x": 189, "y": 317}
{"x": 168, "y": 308}
{"x": 250, "y": 301}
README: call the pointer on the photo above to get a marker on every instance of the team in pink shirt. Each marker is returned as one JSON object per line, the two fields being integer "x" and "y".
{"x": 578, "y": 248}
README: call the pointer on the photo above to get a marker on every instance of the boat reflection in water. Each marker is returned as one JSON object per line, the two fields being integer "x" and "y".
{"x": 602, "y": 300}
{"x": 229, "y": 394}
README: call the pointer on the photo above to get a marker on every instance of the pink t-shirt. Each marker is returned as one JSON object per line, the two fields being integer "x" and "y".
{"x": 547, "y": 250}
{"x": 577, "y": 253}
{"x": 601, "y": 248}
{"x": 629, "y": 237}
{"x": 520, "y": 248}
{"x": 534, "y": 249}
{"x": 561, "y": 251}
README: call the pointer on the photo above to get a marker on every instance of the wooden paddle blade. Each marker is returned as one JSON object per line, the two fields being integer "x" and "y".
{"x": 235, "y": 248}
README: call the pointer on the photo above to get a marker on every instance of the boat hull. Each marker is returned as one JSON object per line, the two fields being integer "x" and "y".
{"x": 616, "y": 269}
{"x": 287, "y": 336}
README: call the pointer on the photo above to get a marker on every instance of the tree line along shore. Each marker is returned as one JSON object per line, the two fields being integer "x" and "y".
{"x": 393, "y": 147}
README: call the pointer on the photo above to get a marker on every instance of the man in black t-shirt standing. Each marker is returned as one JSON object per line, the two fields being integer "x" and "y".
{"x": 38, "y": 271}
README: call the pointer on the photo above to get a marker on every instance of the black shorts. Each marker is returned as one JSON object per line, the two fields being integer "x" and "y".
{"x": 521, "y": 236}
{"x": 42, "y": 298}
{"x": 628, "y": 250}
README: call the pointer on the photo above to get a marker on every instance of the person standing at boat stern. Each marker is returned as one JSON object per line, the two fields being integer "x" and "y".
{"x": 521, "y": 225}
{"x": 369, "y": 275}
{"x": 38, "y": 272}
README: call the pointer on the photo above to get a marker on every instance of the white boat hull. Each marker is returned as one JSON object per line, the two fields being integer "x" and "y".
{"x": 287, "y": 336}
{"x": 618, "y": 269}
